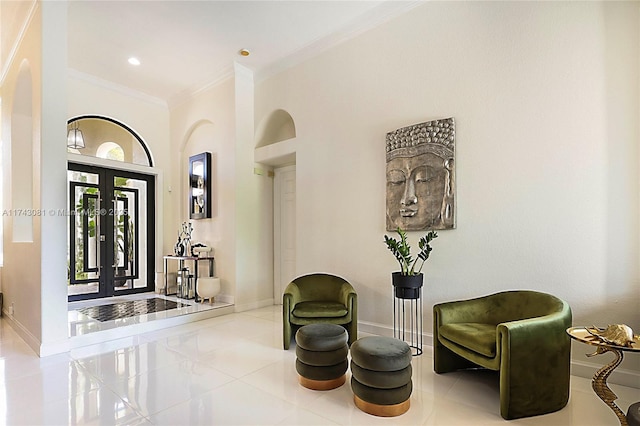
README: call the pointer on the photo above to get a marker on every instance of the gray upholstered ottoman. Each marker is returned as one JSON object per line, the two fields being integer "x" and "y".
{"x": 321, "y": 351}
{"x": 381, "y": 375}
{"x": 633, "y": 414}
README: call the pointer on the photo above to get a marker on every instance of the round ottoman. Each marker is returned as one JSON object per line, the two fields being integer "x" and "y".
{"x": 633, "y": 414}
{"x": 321, "y": 351}
{"x": 381, "y": 375}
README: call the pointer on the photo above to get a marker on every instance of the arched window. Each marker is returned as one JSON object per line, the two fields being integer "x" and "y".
{"x": 110, "y": 151}
{"x": 108, "y": 138}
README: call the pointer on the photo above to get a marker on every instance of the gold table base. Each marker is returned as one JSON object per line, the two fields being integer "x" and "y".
{"x": 599, "y": 381}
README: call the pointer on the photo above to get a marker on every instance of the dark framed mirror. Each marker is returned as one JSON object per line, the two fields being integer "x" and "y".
{"x": 200, "y": 186}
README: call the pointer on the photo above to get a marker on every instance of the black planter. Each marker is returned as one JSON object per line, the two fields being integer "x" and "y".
{"x": 406, "y": 286}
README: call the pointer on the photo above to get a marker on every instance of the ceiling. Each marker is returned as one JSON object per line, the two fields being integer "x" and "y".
{"x": 185, "y": 46}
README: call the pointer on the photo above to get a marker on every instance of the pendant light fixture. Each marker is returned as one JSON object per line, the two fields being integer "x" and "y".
{"x": 74, "y": 137}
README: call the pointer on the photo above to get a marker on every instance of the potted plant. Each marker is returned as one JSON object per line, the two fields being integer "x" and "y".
{"x": 408, "y": 281}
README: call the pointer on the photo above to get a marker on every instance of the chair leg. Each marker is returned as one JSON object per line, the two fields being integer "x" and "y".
{"x": 352, "y": 331}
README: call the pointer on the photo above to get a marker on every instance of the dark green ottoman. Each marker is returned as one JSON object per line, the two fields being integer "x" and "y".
{"x": 381, "y": 375}
{"x": 321, "y": 353}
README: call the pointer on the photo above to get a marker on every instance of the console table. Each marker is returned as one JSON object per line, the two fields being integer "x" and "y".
{"x": 181, "y": 263}
{"x": 599, "y": 381}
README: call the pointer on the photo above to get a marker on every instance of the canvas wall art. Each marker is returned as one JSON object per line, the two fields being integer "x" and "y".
{"x": 421, "y": 180}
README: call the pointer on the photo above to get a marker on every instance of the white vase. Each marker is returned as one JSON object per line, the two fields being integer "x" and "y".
{"x": 208, "y": 288}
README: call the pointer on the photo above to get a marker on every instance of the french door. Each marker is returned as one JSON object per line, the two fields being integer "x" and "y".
{"x": 111, "y": 244}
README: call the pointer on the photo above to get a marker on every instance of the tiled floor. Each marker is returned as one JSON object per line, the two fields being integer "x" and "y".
{"x": 129, "y": 308}
{"x": 232, "y": 370}
{"x": 81, "y": 324}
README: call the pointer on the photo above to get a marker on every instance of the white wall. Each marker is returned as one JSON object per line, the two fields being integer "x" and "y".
{"x": 35, "y": 302}
{"x": 146, "y": 116}
{"x": 207, "y": 123}
{"x": 546, "y": 100}
{"x": 254, "y": 206}
{"x": 40, "y": 299}
{"x": 26, "y": 65}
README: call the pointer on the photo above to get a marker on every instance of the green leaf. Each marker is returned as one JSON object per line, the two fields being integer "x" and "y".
{"x": 402, "y": 251}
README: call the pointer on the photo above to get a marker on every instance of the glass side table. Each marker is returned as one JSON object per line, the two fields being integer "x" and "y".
{"x": 599, "y": 381}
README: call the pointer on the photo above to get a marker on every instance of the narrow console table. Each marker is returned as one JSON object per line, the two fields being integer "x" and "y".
{"x": 599, "y": 381}
{"x": 181, "y": 264}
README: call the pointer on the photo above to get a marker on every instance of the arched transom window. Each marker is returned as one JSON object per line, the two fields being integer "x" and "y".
{"x": 107, "y": 138}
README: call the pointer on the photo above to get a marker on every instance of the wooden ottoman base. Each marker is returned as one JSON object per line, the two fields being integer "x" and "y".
{"x": 322, "y": 384}
{"x": 382, "y": 410}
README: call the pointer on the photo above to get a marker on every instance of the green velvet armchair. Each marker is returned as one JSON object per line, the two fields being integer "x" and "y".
{"x": 521, "y": 334}
{"x": 319, "y": 298}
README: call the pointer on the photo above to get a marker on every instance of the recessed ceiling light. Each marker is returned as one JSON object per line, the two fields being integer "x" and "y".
{"x": 134, "y": 61}
{"x": 244, "y": 52}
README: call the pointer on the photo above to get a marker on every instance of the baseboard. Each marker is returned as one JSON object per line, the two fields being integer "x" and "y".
{"x": 225, "y": 298}
{"x": 31, "y": 340}
{"x": 375, "y": 328}
{"x": 620, "y": 376}
{"x": 254, "y": 305}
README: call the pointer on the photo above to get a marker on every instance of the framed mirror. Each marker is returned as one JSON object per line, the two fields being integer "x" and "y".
{"x": 200, "y": 186}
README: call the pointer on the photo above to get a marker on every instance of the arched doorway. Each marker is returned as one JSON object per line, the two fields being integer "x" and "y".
{"x": 276, "y": 147}
{"x": 111, "y": 227}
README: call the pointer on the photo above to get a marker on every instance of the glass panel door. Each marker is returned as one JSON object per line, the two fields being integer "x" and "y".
{"x": 111, "y": 245}
{"x": 130, "y": 233}
{"x": 83, "y": 248}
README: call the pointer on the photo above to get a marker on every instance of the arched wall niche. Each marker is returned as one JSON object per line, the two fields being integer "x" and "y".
{"x": 197, "y": 139}
{"x": 277, "y": 127}
{"x": 21, "y": 148}
{"x": 97, "y": 130}
{"x": 190, "y": 130}
{"x": 276, "y": 140}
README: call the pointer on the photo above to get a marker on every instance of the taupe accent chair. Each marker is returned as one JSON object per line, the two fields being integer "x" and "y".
{"x": 319, "y": 298}
{"x": 521, "y": 334}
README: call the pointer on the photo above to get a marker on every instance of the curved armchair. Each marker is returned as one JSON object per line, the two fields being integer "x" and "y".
{"x": 319, "y": 298}
{"x": 521, "y": 334}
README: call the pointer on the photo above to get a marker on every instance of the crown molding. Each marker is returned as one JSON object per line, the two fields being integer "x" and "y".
{"x": 181, "y": 98}
{"x": 123, "y": 90}
{"x": 379, "y": 15}
{"x": 18, "y": 41}
{"x": 374, "y": 18}
{"x": 242, "y": 70}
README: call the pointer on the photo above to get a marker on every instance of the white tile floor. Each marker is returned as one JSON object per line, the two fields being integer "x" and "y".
{"x": 82, "y": 325}
{"x": 232, "y": 370}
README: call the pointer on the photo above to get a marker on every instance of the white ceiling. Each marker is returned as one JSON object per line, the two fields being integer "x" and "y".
{"x": 188, "y": 45}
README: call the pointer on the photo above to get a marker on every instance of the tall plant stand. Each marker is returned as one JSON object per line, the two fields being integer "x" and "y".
{"x": 407, "y": 311}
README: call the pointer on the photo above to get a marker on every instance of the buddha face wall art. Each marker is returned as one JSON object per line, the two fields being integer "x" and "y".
{"x": 421, "y": 176}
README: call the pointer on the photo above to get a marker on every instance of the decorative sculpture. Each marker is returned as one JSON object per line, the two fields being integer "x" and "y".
{"x": 616, "y": 334}
{"x": 182, "y": 247}
{"x": 421, "y": 176}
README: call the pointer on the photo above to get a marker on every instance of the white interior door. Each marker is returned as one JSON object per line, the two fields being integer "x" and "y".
{"x": 284, "y": 229}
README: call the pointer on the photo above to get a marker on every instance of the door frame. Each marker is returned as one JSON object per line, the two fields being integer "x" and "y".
{"x": 107, "y": 288}
{"x": 278, "y": 284}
